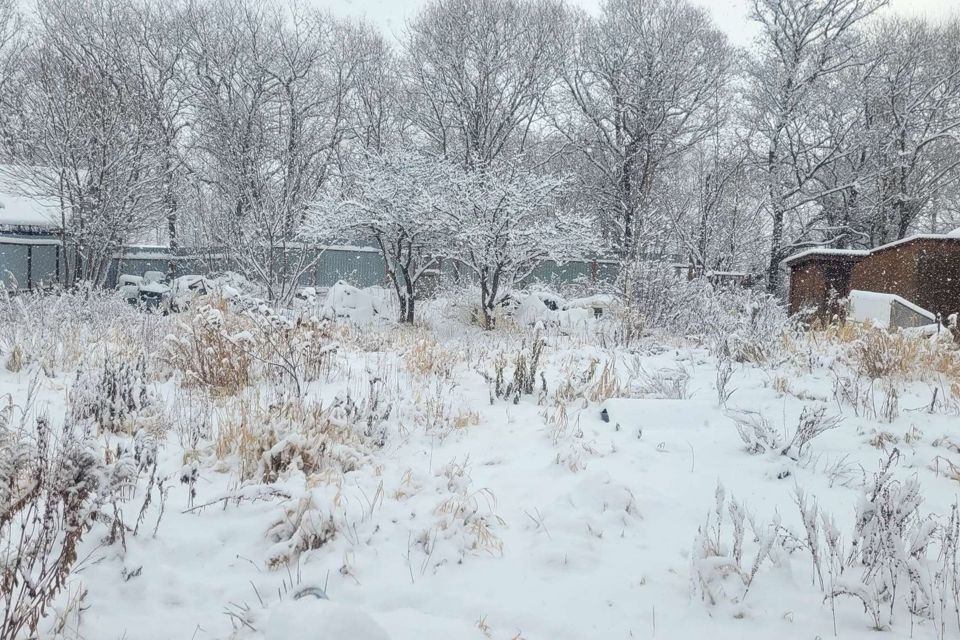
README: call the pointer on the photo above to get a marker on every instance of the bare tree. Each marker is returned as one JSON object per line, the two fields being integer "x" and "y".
{"x": 12, "y": 44}
{"x": 802, "y": 44}
{"x": 477, "y": 72}
{"x": 915, "y": 94}
{"x": 643, "y": 78}
{"x": 89, "y": 144}
{"x": 375, "y": 114}
{"x": 269, "y": 97}
{"x": 160, "y": 36}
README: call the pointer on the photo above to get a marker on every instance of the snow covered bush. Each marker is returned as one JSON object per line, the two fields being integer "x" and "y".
{"x": 517, "y": 374}
{"x": 268, "y": 441}
{"x": 205, "y": 347}
{"x": 55, "y": 330}
{"x": 877, "y": 353}
{"x": 53, "y": 488}
{"x": 760, "y": 436}
{"x": 726, "y": 558}
{"x": 425, "y": 357}
{"x": 305, "y": 526}
{"x": 746, "y": 325}
{"x": 890, "y": 546}
{"x": 109, "y": 395}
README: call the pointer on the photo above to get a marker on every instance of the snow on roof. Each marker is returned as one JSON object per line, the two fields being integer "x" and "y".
{"x": 823, "y": 251}
{"x": 22, "y": 207}
{"x": 914, "y": 238}
{"x": 29, "y": 240}
{"x": 817, "y": 251}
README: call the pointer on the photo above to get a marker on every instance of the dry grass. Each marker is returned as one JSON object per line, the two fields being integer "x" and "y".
{"x": 426, "y": 357}
{"x": 205, "y": 348}
{"x": 879, "y": 354}
{"x": 595, "y": 380}
{"x": 266, "y": 440}
{"x": 438, "y": 410}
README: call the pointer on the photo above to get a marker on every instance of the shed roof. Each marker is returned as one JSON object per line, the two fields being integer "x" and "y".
{"x": 819, "y": 252}
{"x": 822, "y": 252}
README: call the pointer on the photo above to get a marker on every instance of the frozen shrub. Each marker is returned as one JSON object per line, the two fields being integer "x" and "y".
{"x": 726, "y": 559}
{"x": 293, "y": 435}
{"x": 890, "y": 545}
{"x": 302, "y": 528}
{"x": 670, "y": 383}
{"x": 592, "y": 379}
{"x": 109, "y": 396}
{"x": 207, "y": 348}
{"x": 54, "y": 330}
{"x": 761, "y": 437}
{"x": 746, "y": 325}
{"x": 522, "y": 369}
{"x": 52, "y": 489}
{"x": 877, "y": 353}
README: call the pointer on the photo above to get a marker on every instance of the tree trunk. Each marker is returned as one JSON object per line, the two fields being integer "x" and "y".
{"x": 776, "y": 251}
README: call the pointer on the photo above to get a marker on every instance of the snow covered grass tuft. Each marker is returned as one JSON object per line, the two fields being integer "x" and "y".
{"x": 267, "y": 438}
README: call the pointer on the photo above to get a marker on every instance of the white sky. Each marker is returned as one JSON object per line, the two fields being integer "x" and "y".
{"x": 730, "y": 15}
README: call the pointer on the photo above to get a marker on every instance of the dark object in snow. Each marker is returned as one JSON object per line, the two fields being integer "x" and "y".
{"x": 785, "y": 473}
{"x": 605, "y": 416}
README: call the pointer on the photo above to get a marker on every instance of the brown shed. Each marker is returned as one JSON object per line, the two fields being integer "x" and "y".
{"x": 818, "y": 277}
{"x": 922, "y": 269}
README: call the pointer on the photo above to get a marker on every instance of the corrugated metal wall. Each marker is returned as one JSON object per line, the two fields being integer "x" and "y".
{"x": 365, "y": 268}
{"x": 24, "y": 265}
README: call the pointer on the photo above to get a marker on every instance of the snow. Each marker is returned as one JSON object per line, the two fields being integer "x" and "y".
{"x": 30, "y": 240}
{"x": 955, "y": 233}
{"x": 869, "y": 306}
{"x": 311, "y": 619}
{"x": 513, "y": 523}
{"x": 533, "y": 310}
{"x": 820, "y": 251}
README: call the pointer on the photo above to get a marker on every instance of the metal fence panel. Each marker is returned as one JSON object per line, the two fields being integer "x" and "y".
{"x": 44, "y": 265}
{"x": 13, "y": 260}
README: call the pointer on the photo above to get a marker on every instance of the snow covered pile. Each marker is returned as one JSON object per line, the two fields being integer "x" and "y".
{"x": 346, "y": 302}
{"x": 317, "y": 619}
{"x": 880, "y": 309}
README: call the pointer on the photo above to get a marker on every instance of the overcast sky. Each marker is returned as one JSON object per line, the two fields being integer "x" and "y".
{"x": 729, "y": 14}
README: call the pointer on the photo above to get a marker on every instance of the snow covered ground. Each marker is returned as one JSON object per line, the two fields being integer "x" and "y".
{"x": 429, "y": 492}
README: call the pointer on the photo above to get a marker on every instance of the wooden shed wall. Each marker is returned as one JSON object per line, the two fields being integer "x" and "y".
{"x": 889, "y": 271}
{"x": 939, "y": 277}
{"x": 811, "y": 282}
{"x": 807, "y": 286}
{"x": 925, "y": 271}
